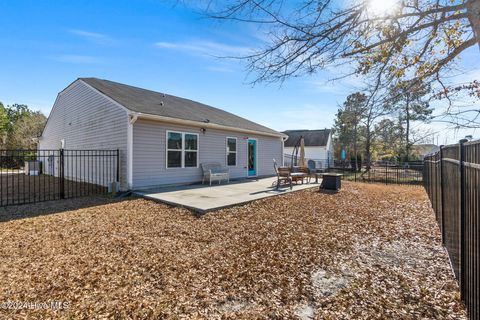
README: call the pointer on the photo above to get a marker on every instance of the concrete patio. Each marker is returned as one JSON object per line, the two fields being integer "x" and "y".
{"x": 203, "y": 198}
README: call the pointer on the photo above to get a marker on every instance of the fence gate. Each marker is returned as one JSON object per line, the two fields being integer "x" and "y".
{"x": 452, "y": 180}
{"x": 30, "y": 176}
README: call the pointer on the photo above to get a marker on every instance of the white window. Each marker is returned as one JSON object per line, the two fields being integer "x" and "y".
{"x": 231, "y": 151}
{"x": 182, "y": 150}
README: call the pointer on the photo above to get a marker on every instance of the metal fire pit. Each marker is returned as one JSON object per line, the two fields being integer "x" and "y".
{"x": 331, "y": 181}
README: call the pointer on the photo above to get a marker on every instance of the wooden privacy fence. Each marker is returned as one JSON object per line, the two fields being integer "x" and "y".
{"x": 451, "y": 179}
{"x": 30, "y": 176}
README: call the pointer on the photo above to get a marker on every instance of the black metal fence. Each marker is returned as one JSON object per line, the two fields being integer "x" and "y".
{"x": 452, "y": 182}
{"x": 409, "y": 173}
{"x": 387, "y": 172}
{"x": 30, "y": 176}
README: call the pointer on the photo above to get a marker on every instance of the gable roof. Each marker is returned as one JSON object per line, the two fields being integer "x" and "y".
{"x": 313, "y": 138}
{"x": 159, "y": 104}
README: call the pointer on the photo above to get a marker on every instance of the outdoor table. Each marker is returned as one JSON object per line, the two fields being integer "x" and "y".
{"x": 317, "y": 174}
{"x": 331, "y": 181}
{"x": 297, "y": 175}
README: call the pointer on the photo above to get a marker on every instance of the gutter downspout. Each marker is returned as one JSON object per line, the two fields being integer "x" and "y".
{"x": 283, "y": 139}
{"x": 132, "y": 118}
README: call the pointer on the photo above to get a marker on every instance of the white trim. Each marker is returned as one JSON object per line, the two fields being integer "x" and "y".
{"x": 182, "y": 150}
{"x": 50, "y": 114}
{"x": 131, "y": 120}
{"x": 108, "y": 98}
{"x": 256, "y": 157}
{"x": 77, "y": 81}
{"x": 227, "y": 151}
{"x": 181, "y": 121}
{"x": 329, "y": 141}
{"x": 198, "y": 124}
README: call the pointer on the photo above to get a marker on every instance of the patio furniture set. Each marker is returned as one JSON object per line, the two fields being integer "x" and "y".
{"x": 213, "y": 171}
{"x": 288, "y": 175}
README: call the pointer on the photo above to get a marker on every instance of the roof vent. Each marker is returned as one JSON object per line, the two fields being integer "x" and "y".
{"x": 161, "y": 103}
{"x": 206, "y": 121}
{"x": 163, "y": 95}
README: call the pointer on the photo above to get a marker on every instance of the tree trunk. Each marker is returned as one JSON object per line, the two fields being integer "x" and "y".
{"x": 367, "y": 151}
{"x": 368, "y": 142}
{"x": 355, "y": 146}
{"x": 473, "y": 12}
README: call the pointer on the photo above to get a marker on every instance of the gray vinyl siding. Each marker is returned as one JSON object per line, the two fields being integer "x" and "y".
{"x": 149, "y": 154}
{"x": 87, "y": 119}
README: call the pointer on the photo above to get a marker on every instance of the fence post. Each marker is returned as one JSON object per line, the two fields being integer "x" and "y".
{"x": 62, "y": 174}
{"x": 386, "y": 173}
{"x": 442, "y": 195}
{"x": 462, "y": 219}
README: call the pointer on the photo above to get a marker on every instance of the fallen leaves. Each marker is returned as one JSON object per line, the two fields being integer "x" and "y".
{"x": 368, "y": 252}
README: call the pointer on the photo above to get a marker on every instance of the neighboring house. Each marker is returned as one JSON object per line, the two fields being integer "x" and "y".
{"x": 318, "y": 145}
{"x": 162, "y": 139}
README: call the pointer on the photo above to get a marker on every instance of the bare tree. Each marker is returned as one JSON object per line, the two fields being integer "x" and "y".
{"x": 404, "y": 40}
{"x": 422, "y": 36}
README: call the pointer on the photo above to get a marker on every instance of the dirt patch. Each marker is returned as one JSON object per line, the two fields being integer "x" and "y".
{"x": 305, "y": 311}
{"x": 368, "y": 252}
{"x": 18, "y": 188}
{"x": 326, "y": 284}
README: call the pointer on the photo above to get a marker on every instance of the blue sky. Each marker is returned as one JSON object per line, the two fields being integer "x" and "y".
{"x": 158, "y": 45}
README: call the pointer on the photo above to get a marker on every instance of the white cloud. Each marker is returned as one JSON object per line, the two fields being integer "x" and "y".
{"x": 206, "y": 48}
{"x": 87, "y": 34}
{"x": 95, "y": 37}
{"x": 75, "y": 58}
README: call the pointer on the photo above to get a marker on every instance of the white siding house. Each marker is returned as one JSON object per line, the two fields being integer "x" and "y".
{"x": 162, "y": 139}
{"x": 318, "y": 145}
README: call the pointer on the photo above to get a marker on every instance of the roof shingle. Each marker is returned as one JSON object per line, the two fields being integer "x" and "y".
{"x": 313, "y": 138}
{"x": 156, "y": 103}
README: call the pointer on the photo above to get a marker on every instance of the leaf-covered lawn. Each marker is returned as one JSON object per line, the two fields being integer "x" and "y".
{"x": 367, "y": 252}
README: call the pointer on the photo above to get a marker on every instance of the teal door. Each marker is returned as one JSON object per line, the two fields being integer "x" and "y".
{"x": 252, "y": 158}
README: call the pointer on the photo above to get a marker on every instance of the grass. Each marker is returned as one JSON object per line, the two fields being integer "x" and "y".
{"x": 367, "y": 252}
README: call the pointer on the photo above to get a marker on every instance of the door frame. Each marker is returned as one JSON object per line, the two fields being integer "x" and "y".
{"x": 256, "y": 158}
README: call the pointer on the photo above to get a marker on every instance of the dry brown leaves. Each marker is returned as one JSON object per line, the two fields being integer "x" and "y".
{"x": 368, "y": 252}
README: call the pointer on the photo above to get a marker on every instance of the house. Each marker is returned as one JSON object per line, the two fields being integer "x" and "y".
{"x": 318, "y": 145}
{"x": 162, "y": 139}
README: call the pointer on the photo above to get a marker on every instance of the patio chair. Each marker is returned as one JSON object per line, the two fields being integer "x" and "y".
{"x": 283, "y": 174}
{"x": 213, "y": 171}
{"x": 312, "y": 169}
